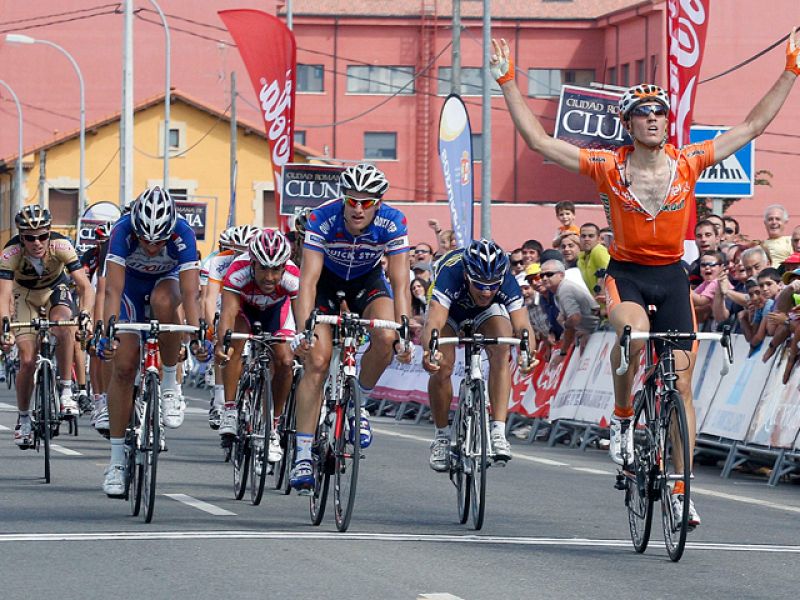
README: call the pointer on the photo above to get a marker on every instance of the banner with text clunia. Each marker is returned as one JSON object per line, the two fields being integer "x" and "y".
{"x": 455, "y": 153}
{"x": 269, "y": 52}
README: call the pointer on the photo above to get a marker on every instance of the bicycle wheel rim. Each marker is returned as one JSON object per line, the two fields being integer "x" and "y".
{"x": 261, "y": 425}
{"x": 240, "y": 449}
{"x": 347, "y": 455}
{"x": 675, "y": 530}
{"x": 458, "y": 456}
{"x": 639, "y": 481}
{"x": 479, "y": 451}
{"x": 289, "y": 442}
{"x": 43, "y": 397}
{"x": 321, "y": 454}
{"x": 151, "y": 438}
{"x": 133, "y": 483}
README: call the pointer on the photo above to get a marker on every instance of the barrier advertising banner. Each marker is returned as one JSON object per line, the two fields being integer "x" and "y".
{"x": 588, "y": 118}
{"x": 776, "y": 420}
{"x": 706, "y": 378}
{"x": 597, "y": 403}
{"x": 455, "y": 154}
{"x": 308, "y": 186}
{"x": 269, "y": 52}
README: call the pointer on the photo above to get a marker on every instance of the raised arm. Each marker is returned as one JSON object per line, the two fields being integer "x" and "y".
{"x": 765, "y": 111}
{"x": 558, "y": 151}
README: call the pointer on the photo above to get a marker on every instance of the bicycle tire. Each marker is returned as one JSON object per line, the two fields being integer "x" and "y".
{"x": 151, "y": 440}
{"x": 133, "y": 479}
{"x": 639, "y": 481}
{"x": 44, "y": 411}
{"x": 11, "y": 376}
{"x": 321, "y": 453}
{"x": 240, "y": 448}
{"x": 458, "y": 456}
{"x": 287, "y": 430}
{"x": 261, "y": 426}
{"x": 674, "y": 421}
{"x": 479, "y": 450}
{"x": 347, "y": 454}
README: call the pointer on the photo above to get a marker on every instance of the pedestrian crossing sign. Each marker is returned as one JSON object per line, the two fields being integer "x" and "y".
{"x": 732, "y": 178}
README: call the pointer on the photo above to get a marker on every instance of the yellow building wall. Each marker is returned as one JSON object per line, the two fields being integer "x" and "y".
{"x": 202, "y": 166}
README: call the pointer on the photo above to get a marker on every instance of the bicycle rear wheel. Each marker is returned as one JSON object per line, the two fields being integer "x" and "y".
{"x": 240, "y": 449}
{"x": 347, "y": 453}
{"x": 478, "y": 450}
{"x": 674, "y": 452}
{"x": 151, "y": 444}
{"x": 261, "y": 426}
{"x": 639, "y": 479}
{"x": 460, "y": 462}
{"x": 287, "y": 428}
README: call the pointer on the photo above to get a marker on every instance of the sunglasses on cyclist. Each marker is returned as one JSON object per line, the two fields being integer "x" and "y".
{"x": 364, "y": 202}
{"x": 645, "y": 110}
{"x": 28, "y": 237}
{"x": 485, "y": 286}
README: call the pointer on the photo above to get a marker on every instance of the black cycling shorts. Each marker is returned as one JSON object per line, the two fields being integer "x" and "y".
{"x": 358, "y": 292}
{"x": 664, "y": 286}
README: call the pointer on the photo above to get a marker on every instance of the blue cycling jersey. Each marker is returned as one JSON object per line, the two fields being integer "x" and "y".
{"x": 349, "y": 256}
{"x": 451, "y": 289}
{"x": 179, "y": 253}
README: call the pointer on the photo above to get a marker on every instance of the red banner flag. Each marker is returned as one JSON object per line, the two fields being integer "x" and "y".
{"x": 269, "y": 52}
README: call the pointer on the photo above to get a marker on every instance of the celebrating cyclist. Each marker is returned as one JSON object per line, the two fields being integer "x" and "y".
{"x": 647, "y": 190}
{"x": 33, "y": 276}
{"x": 473, "y": 284}
{"x": 232, "y": 242}
{"x": 152, "y": 260}
{"x": 259, "y": 286}
{"x": 345, "y": 240}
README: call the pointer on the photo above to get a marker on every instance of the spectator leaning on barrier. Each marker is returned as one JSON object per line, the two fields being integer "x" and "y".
{"x": 730, "y": 297}
{"x": 580, "y": 314}
{"x": 593, "y": 258}
{"x": 419, "y": 306}
{"x": 570, "y": 246}
{"x": 706, "y": 238}
{"x": 606, "y": 237}
{"x": 754, "y": 260}
{"x": 777, "y": 243}
{"x": 750, "y": 318}
{"x": 731, "y": 230}
{"x": 517, "y": 262}
{"x": 769, "y": 281}
{"x": 422, "y": 270}
{"x": 719, "y": 225}
{"x": 712, "y": 265}
{"x": 542, "y": 312}
{"x": 786, "y": 315}
{"x": 532, "y": 252}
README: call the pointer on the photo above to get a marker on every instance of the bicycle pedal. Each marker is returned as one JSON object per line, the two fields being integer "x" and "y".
{"x": 620, "y": 482}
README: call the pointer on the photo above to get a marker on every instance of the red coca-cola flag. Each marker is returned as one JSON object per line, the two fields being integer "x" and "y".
{"x": 269, "y": 52}
{"x": 687, "y": 22}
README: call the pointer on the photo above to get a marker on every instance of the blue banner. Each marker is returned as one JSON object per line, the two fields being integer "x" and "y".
{"x": 455, "y": 153}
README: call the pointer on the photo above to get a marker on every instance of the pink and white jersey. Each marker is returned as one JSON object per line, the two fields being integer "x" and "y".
{"x": 239, "y": 280}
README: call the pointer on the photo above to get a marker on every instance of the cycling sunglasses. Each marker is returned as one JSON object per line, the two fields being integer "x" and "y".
{"x": 35, "y": 238}
{"x": 645, "y": 110}
{"x": 364, "y": 202}
{"x": 485, "y": 286}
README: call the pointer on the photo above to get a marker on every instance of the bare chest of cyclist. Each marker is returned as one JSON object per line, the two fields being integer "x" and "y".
{"x": 650, "y": 186}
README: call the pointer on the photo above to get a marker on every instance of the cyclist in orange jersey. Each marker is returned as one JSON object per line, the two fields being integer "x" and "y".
{"x": 646, "y": 190}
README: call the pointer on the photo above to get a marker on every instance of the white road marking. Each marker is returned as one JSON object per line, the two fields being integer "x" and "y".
{"x": 438, "y": 597}
{"x": 592, "y": 471}
{"x": 701, "y": 491}
{"x": 4, "y": 428}
{"x": 200, "y": 505}
{"x": 374, "y": 537}
{"x": 5, "y": 406}
{"x": 62, "y": 450}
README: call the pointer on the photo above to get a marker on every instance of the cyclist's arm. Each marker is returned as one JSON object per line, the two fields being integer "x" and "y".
{"x": 435, "y": 319}
{"x": 6, "y": 297}
{"x": 85, "y": 290}
{"x": 231, "y": 303}
{"x": 115, "y": 283}
{"x": 397, "y": 269}
{"x": 309, "y": 276}
{"x": 189, "y": 280}
{"x": 209, "y": 294}
{"x": 757, "y": 121}
{"x": 521, "y": 322}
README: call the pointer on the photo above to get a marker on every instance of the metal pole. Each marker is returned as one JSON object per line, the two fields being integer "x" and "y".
{"x": 234, "y": 131}
{"x": 42, "y": 176}
{"x": 455, "y": 73}
{"x": 289, "y": 17}
{"x": 167, "y": 91}
{"x": 126, "y": 119}
{"x": 486, "y": 114}
{"x": 18, "y": 167}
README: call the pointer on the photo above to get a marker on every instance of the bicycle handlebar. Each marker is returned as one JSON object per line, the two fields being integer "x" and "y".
{"x": 259, "y": 338}
{"x": 479, "y": 340}
{"x": 154, "y": 327}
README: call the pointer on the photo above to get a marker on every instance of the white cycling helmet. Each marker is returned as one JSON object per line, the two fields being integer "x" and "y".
{"x": 644, "y": 92}
{"x": 270, "y": 248}
{"x": 154, "y": 215}
{"x": 365, "y": 178}
{"x": 242, "y": 235}
{"x": 225, "y": 237}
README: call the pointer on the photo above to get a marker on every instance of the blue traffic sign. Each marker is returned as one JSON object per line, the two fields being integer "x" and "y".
{"x": 732, "y": 178}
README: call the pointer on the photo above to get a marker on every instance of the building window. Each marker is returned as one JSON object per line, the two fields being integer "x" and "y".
{"x": 380, "y": 145}
{"x": 380, "y": 80}
{"x": 174, "y": 139}
{"x": 179, "y": 194}
{"x": 310, "y": 78}
{"x": 612, "y": 76}
{"x": 477, "y": 147}
{"x": 471, "y": 82}
{"x": 626, "y": 74}
{"x": 268, "y": 215}
{"x": 63, "y": 204}
{"x": 300, "y": 137}
{"x": 653, "y": 67}
{"x": 641, "y": 76}
{"x": 548, "y": 82}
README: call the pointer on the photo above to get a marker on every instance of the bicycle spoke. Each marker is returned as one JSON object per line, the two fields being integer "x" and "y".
{"x": 640, "y": 474}
{"x": 347, "y": 451}
{"x": 675, "y": 468}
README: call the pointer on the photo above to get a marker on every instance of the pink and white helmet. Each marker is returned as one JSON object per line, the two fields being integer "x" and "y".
{"x": 270, "y": 248}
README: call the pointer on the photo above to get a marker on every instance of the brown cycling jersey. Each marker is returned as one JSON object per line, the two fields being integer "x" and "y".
{"x": 38, "y": 274}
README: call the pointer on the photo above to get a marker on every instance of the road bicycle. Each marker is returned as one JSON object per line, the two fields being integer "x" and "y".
{"x": 286, "y": 429}
{"x": 11, "y": 366}
{"x": 471, "y": 453}
{"x": 255, "y": 411}
{"x": 45, "y": 414}
{"x": 661, "y": 456}
{"x": 337, "y": 443}
{"x": 144, "y": 437}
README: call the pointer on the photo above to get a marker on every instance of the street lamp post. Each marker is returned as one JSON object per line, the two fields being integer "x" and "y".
{"x": 167, "y": 51}
{"x": 17, "y": 38}
{"x": 18, "y": 191}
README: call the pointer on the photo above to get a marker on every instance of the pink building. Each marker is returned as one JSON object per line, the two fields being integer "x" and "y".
{"x": 373, "y": 74}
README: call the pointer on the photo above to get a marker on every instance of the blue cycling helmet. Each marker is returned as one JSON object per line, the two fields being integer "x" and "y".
{"x": 485, "y": 261}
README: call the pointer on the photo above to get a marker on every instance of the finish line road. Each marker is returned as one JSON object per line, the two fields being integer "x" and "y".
{"x": 555, "y": 528}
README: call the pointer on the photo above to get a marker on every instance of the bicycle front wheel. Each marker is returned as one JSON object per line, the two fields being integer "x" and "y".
{"x": 675, "y": 468}
{"x": 347, "y": 453}
{"x": 240, "y": 450}
{"x": 322, "y": 454}
{"x": 460, "y": 462}
{"x": 287, "y": 430}
{"x": 151, "y": 444}
{"x": 261, "y": 427}
{"x": 642, "y": 470}
{"x": 43, "y": 428}
{"x": 133, "y": 483}
{"x": 478, "y": 450}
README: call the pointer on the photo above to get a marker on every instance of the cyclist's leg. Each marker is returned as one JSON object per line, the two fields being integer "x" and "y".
{"x": 498, "y": 325}
{"x": 309, "y": 388}
{"x": 63, "y": 309}
{"x": 381, "y": 343}
{"x": 26, "y": 347}
{"x": 279, "y": 320}
{"x": 164, "y": 302}
{"x": 230, "y": 380}
{"x": 440, "y": 396}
